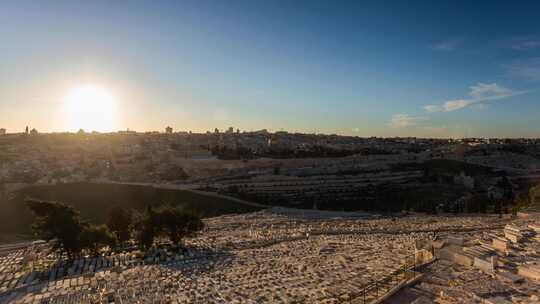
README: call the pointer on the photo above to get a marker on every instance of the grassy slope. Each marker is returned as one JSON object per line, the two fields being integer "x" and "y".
{"x": 95, "y": 200}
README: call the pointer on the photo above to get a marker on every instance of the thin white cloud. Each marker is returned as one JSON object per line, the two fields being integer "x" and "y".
{"x": 448, "y": 45}
{"x": 479, "y": 94}
{"x": 482, "y": 92}
{"x": 453, "y": 105}
{"x": 404, "y": 120}
{"x": 433, "y": 108}
{"x": 526, "y": 44}
{"x": 529, "y": 69}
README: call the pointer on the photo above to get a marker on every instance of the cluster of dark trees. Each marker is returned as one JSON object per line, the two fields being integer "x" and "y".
{"x": 531, "y": 198}
{"x": 172, "y": 173}
{"x": 71, "y": 234}
{"x": 62, "y": 223}
{"x": 232, "y": 153}
{"x": 312, "y": 152}
{"x": 165, "y": 221}
{"x": 27, "y": 176}
{"x": 223, "y": 152}
{"x": 315, "y": 151}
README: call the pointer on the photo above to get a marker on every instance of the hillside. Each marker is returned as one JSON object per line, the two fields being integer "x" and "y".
{"x": 95, "y": 200}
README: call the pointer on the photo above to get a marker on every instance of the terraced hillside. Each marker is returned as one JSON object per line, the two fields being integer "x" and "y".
{"x": 385, "y": 184}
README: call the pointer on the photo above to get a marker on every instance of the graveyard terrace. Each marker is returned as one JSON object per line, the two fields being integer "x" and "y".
{"x": 447, "y": 282}
{"x": 312, "y": 189}
{"x": 499, "y": 266}
{"x": 325, "y": 269}
{"x": 11, "y": 269}
{"x": 506, "y": 160}
{"x": 276, "y": 225}
{"x": 266, "y": 256}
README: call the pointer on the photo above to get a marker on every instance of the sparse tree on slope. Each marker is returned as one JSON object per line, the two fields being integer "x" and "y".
{"x": 119, "y": 222}
{"x": 177, "y": 223}
{"x": 62, "y": 223}
{"x": 57, "y": 221}
{"x": 95, "y": 237}
{"x": 145, "y": 228}
{"x": 166, "y": 221}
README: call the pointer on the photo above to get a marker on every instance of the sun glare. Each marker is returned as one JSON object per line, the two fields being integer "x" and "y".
{"x": 91, "y": 108}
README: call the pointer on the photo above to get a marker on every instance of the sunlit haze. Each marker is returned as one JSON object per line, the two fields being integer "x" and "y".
{"x": 91, "y": 108}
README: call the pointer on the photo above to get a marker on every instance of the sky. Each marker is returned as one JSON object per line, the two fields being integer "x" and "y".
{"x": 364, "y": 68}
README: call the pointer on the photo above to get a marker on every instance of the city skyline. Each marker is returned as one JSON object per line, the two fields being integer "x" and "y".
{"x": 269, "y": 151}
{"x": 366, "y": 69}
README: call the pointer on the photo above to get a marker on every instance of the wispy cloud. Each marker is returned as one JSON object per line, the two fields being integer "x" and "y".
{"x": 478, "y": 95}
{"x": 448, "y": 45}
{"x": 529, "y": 68}
{"x": 433, "y": 108}
{"x": 525, "y": 44}
{"x": 404, "y": 120}
{"x": 448, "y": 106}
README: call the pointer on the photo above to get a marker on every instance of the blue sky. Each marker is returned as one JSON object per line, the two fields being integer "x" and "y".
{"x": 381, "y": 68}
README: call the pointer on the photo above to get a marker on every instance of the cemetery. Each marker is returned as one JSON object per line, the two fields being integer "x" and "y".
{"x": 495, "y": 266}
{"x": 276, "y": 255}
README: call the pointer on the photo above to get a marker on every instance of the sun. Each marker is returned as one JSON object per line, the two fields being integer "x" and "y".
{"x": 91, "y": 108}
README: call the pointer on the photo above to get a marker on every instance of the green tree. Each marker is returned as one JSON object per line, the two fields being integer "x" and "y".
{"x": 119, "y": 222}
{"x": 167, "y": 221}
{"x": 498, "y": 209}
{"x": 524, "y": 200}
{"x": 57, "y": 221}
{"x": 177, "y": 223}
{"x": 95, "y": 237}
{"x": 145, "y": 228}
{"x": 534, "y": 195}
{"x": 172, "y": 173}
{"x": 521, "y": 201}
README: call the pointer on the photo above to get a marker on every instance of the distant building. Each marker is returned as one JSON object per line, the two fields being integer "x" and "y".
{"x": 127, "y": 131}
{"x": 168, "y": 130}
{"x": 272, "y": 141}
{"x": 2, "y": 131}
{"x": 460, "y": 151}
